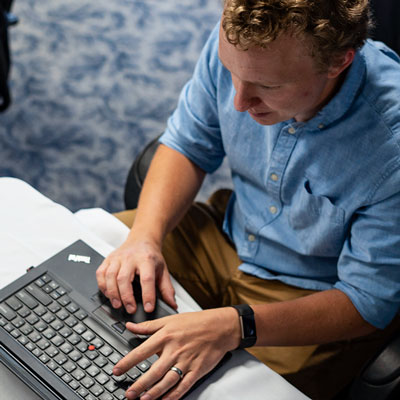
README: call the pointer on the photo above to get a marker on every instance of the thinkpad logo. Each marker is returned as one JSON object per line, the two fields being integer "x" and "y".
{"x": 78, "y": 258}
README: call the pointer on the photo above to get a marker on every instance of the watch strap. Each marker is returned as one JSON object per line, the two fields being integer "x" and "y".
{"x": 247, "y": 325}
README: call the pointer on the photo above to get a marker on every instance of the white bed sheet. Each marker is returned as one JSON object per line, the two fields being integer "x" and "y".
{"x": 33, "y": 228}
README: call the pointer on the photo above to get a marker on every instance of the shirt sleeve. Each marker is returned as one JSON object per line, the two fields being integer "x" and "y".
{"x": 193, "y": 129}
{"x": 369, "y": 265}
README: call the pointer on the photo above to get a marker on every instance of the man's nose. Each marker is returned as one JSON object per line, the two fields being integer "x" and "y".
{"x": 244, "y": 97}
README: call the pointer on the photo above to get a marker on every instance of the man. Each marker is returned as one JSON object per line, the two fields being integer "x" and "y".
{"x": 309, "y": 119}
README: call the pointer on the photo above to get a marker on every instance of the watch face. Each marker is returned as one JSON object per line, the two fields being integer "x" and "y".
{"x": 249, "y": 329}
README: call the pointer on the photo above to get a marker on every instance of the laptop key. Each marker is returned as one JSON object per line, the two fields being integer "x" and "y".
{"x": 40, "y": 282}
{"x": 78, "y": 374}
{"x": 72, "y": 307}
{"x": 120, "y": 394}
{"x": 48, "y": 317}
{"x": 24, "y": 311}
{"x": 49, "y": 333}
{"x": 51, "y": 351}
{"x": 52, "y": 365}
{"x": 40, "y": 326}
{"x": 40, "y": 310}
{"x": 18, "y": 322}
{"x": 74, "y": 339}
{"x": 64, "y": 300}
{"x": 65, "y": 332}
{"x": 106, "y": 396}
{"x": 82, "y": 392}
{"x": 84, "y": 363}
{"x": 144, "y": 366}
{"x": 57, "y": 340}
{"x": 74, "y": 384}
{"x": 93, "y": 371}
{"x": 66, "y": 378}
{"x": 102, "y": 378}
{"x": 134, "y": 373}
{"x": 43, "y": 344}
{"x": 57, "y": 324}
{"x": 8, "y": 327}
{"x": 87, "y": 382}
{"x": 7, "y": 312}
{"x": 14, "y": 303}
{"x": 69, "y": 366}
{"x": 60, "y": 359}
{"x": 54, "y": 307}
{"x": 101, "y": 361}
{"x": 34, "y": 337}
{"x": 15, "y": 333}
{"x": 23, "y": 340}
{"x": 81, "y": 315}
{"x": 44, "y": 358}
{"x": 79, "y": 329}
{"x": 39, "y": 295}
{"x": 106, "y": 351}
{"x": 46, "y": 278}
{"x": 75, "y": 355}
{"x": 96, "y": 390}
{"x": 26, "y": 329}
{"x": 66, "y": 348}
{"x": 111, "y": 386}
{"x": 28, "y": 300}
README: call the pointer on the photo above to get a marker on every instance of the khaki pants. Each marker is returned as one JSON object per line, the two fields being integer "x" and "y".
{"x": 205, "y": 263}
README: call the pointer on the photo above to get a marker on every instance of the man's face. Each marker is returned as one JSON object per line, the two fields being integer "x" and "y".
{"x": 277, "y": 83}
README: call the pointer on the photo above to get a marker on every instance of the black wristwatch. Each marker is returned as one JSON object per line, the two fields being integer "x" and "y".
{"x": 247, "y": 325}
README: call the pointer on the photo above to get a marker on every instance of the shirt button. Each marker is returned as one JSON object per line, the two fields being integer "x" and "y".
{"x": 321, "y": 126}
{"x": 273, "y": 210}
{"x": 291, "y": 130}
{"x": 251, "y": 238}
{"x": 274, "y": 177}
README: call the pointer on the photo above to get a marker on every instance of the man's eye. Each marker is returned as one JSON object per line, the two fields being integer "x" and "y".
{"x": 270, "y": 87}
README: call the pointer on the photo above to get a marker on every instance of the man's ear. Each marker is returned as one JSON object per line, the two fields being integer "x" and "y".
{"x": 342, "y": 62}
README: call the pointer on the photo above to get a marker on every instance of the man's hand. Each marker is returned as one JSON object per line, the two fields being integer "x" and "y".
{"x": 192, "y": 342}
{"x": 115, "y": 276}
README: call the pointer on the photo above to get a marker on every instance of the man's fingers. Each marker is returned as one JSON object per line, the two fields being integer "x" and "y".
{"x": 158, "y": 380}
{"x": 167, "y": 290}
{"x": 100, "y": 276}
{"x": 147, "y": 282}
{"x": 111, "y": 284}
{"x": 144, "y": 351}
{"x": 124, "y": 280}
{"x": 183, "y": 387}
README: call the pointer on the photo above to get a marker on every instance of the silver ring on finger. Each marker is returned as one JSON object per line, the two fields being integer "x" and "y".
{"x": 178, "y": 371}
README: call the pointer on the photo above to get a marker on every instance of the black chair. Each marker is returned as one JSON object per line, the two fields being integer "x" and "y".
{"x": 387, "y": 27}
{"x": 6, "y": 20}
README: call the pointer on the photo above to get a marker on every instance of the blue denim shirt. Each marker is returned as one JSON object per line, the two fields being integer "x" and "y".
{"x": 316, "y": 204}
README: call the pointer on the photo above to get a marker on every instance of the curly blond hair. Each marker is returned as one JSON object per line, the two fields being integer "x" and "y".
{"x": 333, "y": 26}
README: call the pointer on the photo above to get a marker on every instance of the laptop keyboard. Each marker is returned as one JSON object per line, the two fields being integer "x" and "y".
{"x": 43, "y": 319}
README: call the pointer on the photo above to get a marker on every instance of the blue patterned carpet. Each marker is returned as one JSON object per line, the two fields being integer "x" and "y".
{"x": 92, "y": 82}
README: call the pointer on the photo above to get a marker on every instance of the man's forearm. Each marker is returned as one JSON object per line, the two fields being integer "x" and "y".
{"x": 321, "y": 317}
{"x": 170, "y": 187}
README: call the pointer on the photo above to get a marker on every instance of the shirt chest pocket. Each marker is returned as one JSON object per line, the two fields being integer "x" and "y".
{"x": 319, "y": 225}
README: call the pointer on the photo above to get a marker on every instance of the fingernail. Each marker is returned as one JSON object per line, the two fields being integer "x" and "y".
{"x": 115, "y": 303}
{"x": 148, "y": 307}
{"x": 145, "y": 397}
{"x": 117, "y": 371}
{"x": 130, "y": 309}
{"x": 131, "y": 394}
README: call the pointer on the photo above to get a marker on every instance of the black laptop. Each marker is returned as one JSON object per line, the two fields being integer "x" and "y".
{"x": 61, "y": 336}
